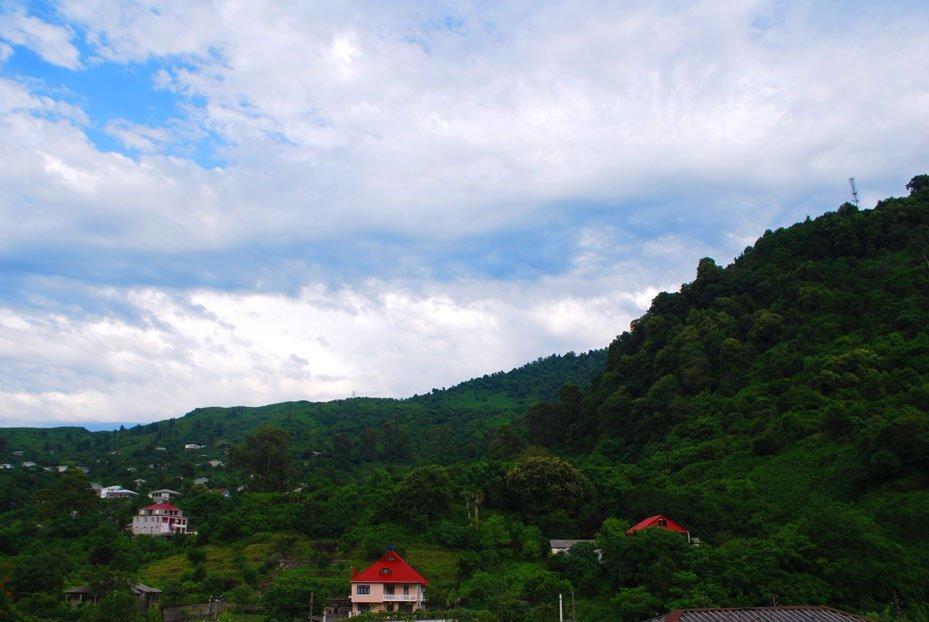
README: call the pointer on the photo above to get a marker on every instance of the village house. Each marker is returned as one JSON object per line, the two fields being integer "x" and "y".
{"x": 389, "y": 584}
{"x": 17, "y": 453}
{"x": 6, "y": 465}
{"x": 62, "y": 468}
{"x": 201, "y": 481}
{"x": 28, "y": 464}
{"x": 146, "y": 596}
{"x": 163, "y": 495}
{"x": 192, "y": 446}
{"x": 161, "y": 449}
{"x": 159, "y": 519}
{"x": 116, "y": 492}
{"x": 659, "y": 521}
{"x": 216, "y": 463}
{"x": 563, "y": 546}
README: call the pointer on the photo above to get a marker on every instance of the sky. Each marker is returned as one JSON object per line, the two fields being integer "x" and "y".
{"x": 246, "y": 202}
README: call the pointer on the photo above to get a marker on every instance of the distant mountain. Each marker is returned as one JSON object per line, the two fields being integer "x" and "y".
{"x": 448, "y": 423}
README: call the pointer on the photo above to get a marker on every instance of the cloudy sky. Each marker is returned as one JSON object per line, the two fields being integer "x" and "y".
{"x": 243, "y": 202}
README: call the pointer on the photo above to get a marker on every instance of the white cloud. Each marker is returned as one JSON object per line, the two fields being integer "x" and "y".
{"x": 211, "y": 347}
{"x": 379, "y": 118}
{"x": 5, "y": 52}
{"x": 50, "y": 41}
{"x": 643, "y": 136}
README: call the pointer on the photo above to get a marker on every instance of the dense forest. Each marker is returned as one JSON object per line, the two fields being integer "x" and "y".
{"x": 777, "y": 407}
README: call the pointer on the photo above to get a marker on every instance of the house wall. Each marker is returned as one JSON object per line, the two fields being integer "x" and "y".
{"x": 376, "y": 595}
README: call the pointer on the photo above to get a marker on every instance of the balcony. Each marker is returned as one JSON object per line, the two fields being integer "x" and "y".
{"x": 406, "y": 598}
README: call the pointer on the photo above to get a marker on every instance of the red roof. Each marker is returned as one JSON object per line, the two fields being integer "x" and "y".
{"x": 160, "y": 506}
{"x": 390, "y": 568}
{"x": 658, "y": 520}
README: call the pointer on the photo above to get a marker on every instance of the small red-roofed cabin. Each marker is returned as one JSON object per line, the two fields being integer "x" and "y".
{"x": 389, "y": 584}
{"x": 659, "y": 521}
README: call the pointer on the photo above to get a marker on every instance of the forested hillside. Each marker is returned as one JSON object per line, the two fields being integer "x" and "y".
{"x": 447, "y": 423}
{"x": 777, "y": 407}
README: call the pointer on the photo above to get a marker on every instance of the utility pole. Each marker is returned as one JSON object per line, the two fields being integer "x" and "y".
{"x": 560, "y": 610}
{"x": 312, "y": 595}
{"x": 573, "y": 608}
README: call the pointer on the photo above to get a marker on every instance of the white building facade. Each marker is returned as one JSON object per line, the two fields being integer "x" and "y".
{"x": 159, "y": 519}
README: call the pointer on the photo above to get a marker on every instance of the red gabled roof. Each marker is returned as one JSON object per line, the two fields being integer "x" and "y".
{"x": 160, "y": 506}
{"x": 390, "y": 568}
{"x": 652, "y": 521}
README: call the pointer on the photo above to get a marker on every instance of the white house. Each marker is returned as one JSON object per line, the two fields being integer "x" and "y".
{"x": 163, "y": 495}
{"x": 62, "y": 468}
{"x": 161, "y": 449}
{"x": 159, "y": 519}
{"x": 28, "y": 464}
{"x": 116, "y": 492}
{"x": 6, "y": 465}
{"x": 216, "y": 463}
{"x": 201, "y": 481}
{"x": 192, "y": 446}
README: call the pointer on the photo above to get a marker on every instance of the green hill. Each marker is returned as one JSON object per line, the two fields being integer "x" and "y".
{"x": 777, "y": 407}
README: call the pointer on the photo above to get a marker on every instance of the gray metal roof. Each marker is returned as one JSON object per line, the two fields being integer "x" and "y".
{"x": 565, "y": 544}
{"x": 760, "y": 614}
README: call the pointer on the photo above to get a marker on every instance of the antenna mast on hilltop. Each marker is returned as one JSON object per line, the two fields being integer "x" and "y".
{"x": 854, "y": 187}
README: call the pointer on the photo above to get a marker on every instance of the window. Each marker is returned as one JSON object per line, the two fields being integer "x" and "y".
{"x": 662, "y": 522}
{"x": 363, "y": 589}
{"x": 389, "y": 589}
{"x": 364, "y": 606}
{"x": 406, "y": 590}
{"x": 385, "y": 571}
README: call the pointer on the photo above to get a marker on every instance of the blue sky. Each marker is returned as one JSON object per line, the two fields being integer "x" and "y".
{"x": 240, "y": 203}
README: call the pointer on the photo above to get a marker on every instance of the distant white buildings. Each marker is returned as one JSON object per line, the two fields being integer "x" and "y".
{"x": 28, "y": 465}
{"x": 159, "y": 519}
{"x": 163, "y": 495}
{"x": 201, "y": 481}
{"x": 62, "y": 468}
{"x": 192, "y": 446}
{"x": 161, "y": 449}
{"x": 216, "y": 463}
{"x": 6, "y": 465}
{"x": 116, "y": 492}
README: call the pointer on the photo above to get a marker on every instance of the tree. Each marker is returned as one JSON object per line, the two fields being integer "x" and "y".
{"x": 70, "y": 506}
{"x": 119, "y": 605}
{"x": 288, "y": 598}
{"x": 424, "y": 495}
{"x": 396, "y": 441}
{"x": 918, "y": 184}
{"x": 40, "y": 572}
{"x": 368, "y": 444}
{"x": 265, "y": 455}
{"x": 542, "y": 484}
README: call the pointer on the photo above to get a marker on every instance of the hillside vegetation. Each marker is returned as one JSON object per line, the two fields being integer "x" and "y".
{"x": 776, "y": 406}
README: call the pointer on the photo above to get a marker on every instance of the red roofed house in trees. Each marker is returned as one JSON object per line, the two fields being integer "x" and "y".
{"x": 389, "y": 584}
{"x": 159, "y": 519}
{"x": 661, "y": 522}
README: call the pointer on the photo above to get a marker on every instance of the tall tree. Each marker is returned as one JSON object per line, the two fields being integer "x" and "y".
{"x": 265, "y": 457}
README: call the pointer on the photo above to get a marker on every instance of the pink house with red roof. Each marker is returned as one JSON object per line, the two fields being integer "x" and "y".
{"x": 159, "y": 519}
{"x": 659, "y": 521}
{"x": 389, "y": 584}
